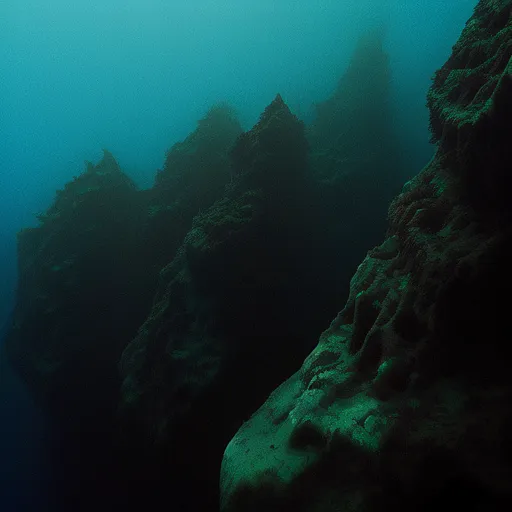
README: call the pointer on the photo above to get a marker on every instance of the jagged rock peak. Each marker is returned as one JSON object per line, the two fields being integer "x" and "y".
{"x": 278, "y": 118}
{"x": 276, "y": 145}
{"x": 277, "y": 107}
{"x": 211, "y": 141}
{"x": 107, "y": 164}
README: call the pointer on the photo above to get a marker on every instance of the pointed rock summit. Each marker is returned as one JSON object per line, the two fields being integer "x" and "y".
{"x": 274, "y": 150}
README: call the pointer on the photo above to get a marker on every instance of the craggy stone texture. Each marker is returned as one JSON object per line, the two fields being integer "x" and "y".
{"x": 405, "y": 402}
{"x": 229, "y": 304}
{"x": 77, "y": 269}
{"x": 470, "y": 107}
{"x": 232, "y": 262}
{"x": 88, "y": 275}
{"x": 194, "y": 175}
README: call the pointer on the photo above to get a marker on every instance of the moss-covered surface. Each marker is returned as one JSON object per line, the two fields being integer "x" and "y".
{"x": 405, "y": 402}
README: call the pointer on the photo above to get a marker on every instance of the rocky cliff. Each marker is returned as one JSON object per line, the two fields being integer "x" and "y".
{"x": 152, "y": 323}
{"x": 405, "y": 402}
{"x": 255, "y": 280}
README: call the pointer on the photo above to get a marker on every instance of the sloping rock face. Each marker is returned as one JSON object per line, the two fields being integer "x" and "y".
{"x": 194, "y": 175}
{"x": 229, "y": 304}
{"x": 75, "y": 271}
{"x": 405, "y": 402}
{"x": 88, "y": 275}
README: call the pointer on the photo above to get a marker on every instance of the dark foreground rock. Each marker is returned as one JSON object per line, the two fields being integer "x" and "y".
{"x": 405, "y": 404}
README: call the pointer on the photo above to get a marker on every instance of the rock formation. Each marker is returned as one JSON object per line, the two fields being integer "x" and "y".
{"x": 405, "y": 402}
{"x": 88, "y": 275}
{"x": 227, "y": 305}
{"x": 152, "y": 323}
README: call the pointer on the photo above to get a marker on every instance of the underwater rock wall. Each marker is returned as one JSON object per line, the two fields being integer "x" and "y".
{"x": 251, "y": 286}
{"x": 77, "y": 269}
{"x": 88, "y": 275}
{"x": 152, "y": 323}
{"x": 405, "y": 402}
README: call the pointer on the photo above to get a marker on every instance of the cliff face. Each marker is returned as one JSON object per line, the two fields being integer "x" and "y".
{"x": 227, "y": 305}
{"x": 88, "y": 275}
{"x": 152, "y": 323}
{"x": 76, "y": 269}
{"x": 405, "y": 402}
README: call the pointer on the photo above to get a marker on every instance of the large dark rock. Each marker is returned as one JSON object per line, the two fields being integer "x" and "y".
{"x": 88, "y": 275}
{"x": 78, "y": 279}
{"x": 405, "y": 402}
{"x": 232, "y": 303}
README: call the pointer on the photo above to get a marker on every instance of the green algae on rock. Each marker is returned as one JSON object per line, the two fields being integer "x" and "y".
{"x": 405, "y": 402}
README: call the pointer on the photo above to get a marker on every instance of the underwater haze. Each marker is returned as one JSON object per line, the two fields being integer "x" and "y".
{"x": 134, "y": 76}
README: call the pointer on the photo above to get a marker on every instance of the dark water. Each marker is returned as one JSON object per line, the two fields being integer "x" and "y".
{"x": 25, "y": 468}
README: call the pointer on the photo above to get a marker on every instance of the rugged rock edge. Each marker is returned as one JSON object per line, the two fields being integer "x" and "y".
{"x": 405, "y": 402}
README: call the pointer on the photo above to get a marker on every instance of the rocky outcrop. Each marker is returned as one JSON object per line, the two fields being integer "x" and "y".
{"x": 89, "y": 271}
{"x": 405, "y": 402}
{"x": 232, "y": 262}
{"x": 88, "y": 275}
{"x": 229, "y": 303}
{"x": 195, "y": 173}
{"x": 75, "y": 271}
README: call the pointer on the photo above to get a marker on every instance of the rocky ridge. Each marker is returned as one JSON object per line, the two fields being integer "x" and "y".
{"x": 405, "y": 402}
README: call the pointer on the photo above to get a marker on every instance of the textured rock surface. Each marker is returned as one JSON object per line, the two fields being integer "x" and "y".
{"x": 247, "y": 284}
{"x": 75, "y": 271}
{"x": 88, "y": 275}
{"x": 405, "y": 402}
{"x": 225, "y": 308}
